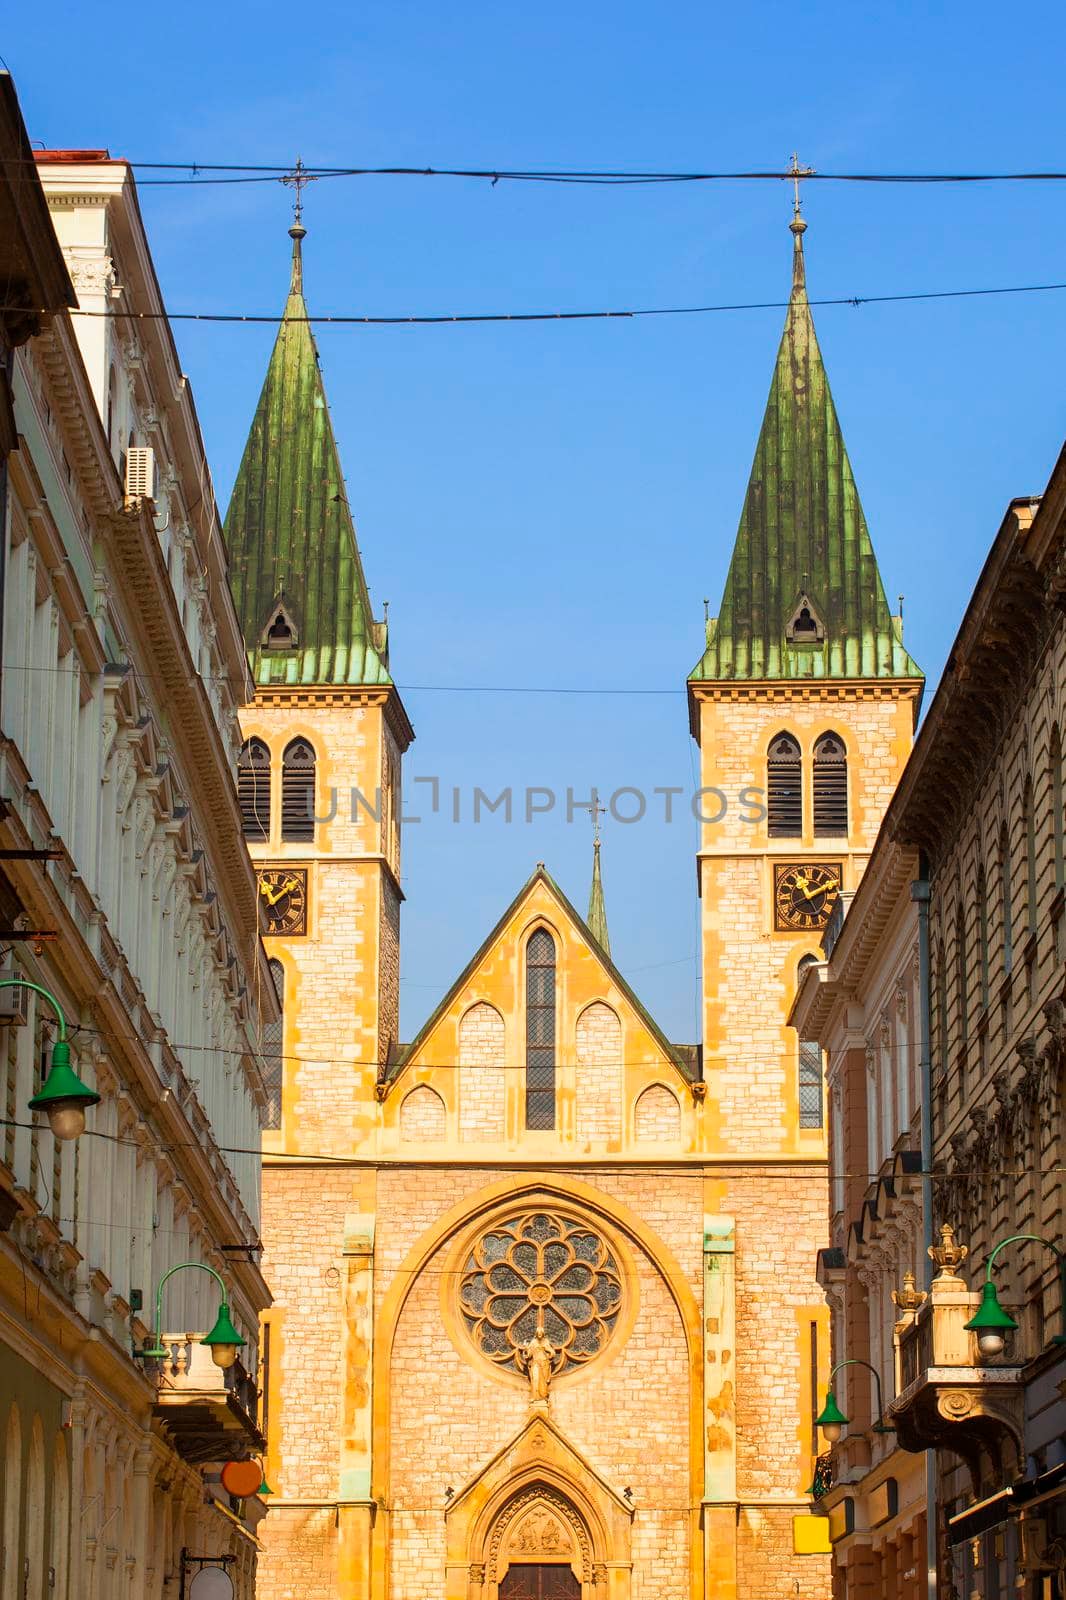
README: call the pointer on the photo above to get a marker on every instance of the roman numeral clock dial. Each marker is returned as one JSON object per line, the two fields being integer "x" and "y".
{"x": 805, "y": 893}
{"x": 283, "y": 900}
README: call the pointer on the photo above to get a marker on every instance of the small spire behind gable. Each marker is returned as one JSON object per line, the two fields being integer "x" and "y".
{"x": 597, "y": 917}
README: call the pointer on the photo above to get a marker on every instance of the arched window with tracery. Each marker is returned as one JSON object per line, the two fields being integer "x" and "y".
{"x": 811, "y": 1067}
{"x": 298, "y": 792}
{"x": 253, "y": 789}
{"x": 784, "y": 788}
{"x": 540, "y": 1030}
{"x": 273, "y": 1047}
{"x": 830, "y": 785}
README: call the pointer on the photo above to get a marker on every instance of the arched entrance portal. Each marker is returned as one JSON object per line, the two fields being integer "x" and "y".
{"x": 540, "y": 1582}
{"x": 538, "y": 1523}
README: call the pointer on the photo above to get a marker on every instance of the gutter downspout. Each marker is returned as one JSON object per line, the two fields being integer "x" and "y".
{"x": 921, "y": 895}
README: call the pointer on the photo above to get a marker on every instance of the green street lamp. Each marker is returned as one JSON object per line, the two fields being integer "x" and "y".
{"x": 831, "y": 1419}
{"x": 990, "y": 1322}
{"x": 223, "y": 1341}
{"x": 63, "y": 1097}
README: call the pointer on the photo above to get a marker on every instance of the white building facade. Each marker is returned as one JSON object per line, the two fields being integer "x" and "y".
{"x": 121, "y": 847}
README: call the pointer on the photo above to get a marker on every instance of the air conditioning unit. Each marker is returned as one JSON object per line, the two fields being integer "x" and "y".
{"x": 140, "y": 473}
{"x": 14, "y": 1000}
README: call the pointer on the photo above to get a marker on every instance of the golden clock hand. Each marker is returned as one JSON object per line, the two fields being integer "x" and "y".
{"x": 289, "y": 885}
{"x": 271, "y": 899}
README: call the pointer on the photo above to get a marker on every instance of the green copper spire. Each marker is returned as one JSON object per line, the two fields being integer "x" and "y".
{"x": 597, "y": 917}
{"x": 297, "y": 578}
{"x": 803, "y": 596}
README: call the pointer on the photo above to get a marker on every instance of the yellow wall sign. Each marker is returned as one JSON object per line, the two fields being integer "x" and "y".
{"x": 810, "y": 1536}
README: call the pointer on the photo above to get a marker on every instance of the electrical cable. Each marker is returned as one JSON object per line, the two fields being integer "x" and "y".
{"x": 352, "y": 319}
{"x": 237, "y": 172}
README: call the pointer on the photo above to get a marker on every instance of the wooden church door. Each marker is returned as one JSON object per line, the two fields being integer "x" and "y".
{"x": 546, "y": 1582}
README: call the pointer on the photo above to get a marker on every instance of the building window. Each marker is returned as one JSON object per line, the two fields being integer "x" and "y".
{"x": 298, "y": 792}
{"x": 830, "y": 785}
{"x": 1055, "y": 759}
{"x": 811, "y": 1068}
{"x": 962, "y": 977}
{"x": 982, "y": 930}
{"x": 540, "y": 1030}
{"x": 1030, "y": 856}
{"x": 784, "y": 788}
{"x": 273, "y": 1046}
{"x": 941, "y": 1007}
{"x": 253, "y": 789}
{"x": 1004, "y": 893}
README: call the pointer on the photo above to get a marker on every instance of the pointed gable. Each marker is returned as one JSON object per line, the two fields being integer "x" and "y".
{"x": 495, "y": 975}
{"x": 289, "y": 529}
{"x": 803, "y": 540}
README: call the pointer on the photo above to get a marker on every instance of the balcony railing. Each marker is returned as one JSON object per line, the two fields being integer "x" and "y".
{"x": 210, "y": 1412}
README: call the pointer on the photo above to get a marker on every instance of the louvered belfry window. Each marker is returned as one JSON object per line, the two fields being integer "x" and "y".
{"x": 298, "y": 792}
{"x": 540, "y": 1030}
{"x": 253, "y": 789}
{"x": 784, "y": 788}
{"x": 273, "y": 1060}
{"x": 830, "y": 785}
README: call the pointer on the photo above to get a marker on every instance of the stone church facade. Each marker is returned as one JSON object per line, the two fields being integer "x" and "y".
{"x": 546, "y": 1323}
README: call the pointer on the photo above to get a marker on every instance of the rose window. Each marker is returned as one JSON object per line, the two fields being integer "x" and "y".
{"x": 540, "y": 1273}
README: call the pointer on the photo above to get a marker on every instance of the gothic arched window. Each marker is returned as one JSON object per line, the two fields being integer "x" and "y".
{"x": 253, "y": 789}
{"x": 830, "y": 785}
{"x": 784, "y": 788}
{"x": 540, "y": 1030}
{"x": 298, "y": 792}
{"x": 273, "y": 1045}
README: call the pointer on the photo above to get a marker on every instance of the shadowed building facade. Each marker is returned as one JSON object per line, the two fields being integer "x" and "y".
{"x": 545, "y": 1320}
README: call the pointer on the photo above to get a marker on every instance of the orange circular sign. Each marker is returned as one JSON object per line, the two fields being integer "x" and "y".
{"x": 241, "y": 1478}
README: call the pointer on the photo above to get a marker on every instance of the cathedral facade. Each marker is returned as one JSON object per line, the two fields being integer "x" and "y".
{"x": 546, "y": 1323}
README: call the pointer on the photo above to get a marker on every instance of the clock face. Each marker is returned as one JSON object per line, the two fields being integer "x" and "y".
{"x": 805, "y": 893}
{"x": 283, "y": 900}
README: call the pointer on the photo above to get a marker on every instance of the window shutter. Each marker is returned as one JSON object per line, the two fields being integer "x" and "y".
{"x": 253, "y": 789}
{"x": 298, "y": 792}
{"x": 830, "y": 786}
{"x": 784, "y": 789}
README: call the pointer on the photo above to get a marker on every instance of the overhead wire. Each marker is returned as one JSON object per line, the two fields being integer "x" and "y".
{"x": 618, "y": 314}
{"x": 237, "y": 172}
{"x": 698, "y": 1161}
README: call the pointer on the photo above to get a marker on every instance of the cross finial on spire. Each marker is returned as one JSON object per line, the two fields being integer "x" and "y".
{"x": 595, "y": 811}
{"x": 797, "y": 172}
{"x": 298, "y": 179}
{"x": 797, "y": 226}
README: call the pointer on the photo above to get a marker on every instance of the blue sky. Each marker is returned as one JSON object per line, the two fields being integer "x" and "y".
{"x": 550, "y": 504}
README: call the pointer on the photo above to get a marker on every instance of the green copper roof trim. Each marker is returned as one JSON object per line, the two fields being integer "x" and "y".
{"x": 289, "y": 529}
{"x": 597, "y": 917}
{"x": 803, "y": 536}
{"x": 680, "y": 1057}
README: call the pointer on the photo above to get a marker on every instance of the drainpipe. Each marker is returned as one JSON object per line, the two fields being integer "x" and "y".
{"x": 921, "y": 895}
